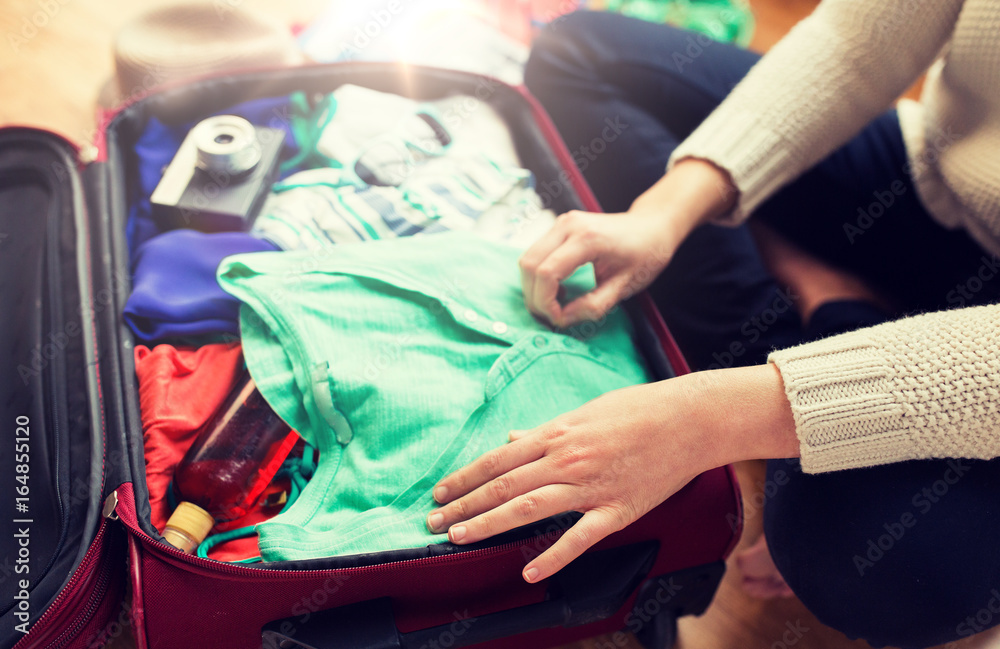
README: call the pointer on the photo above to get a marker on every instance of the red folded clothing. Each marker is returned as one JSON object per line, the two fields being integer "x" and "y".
{"x": 179, "y": 389}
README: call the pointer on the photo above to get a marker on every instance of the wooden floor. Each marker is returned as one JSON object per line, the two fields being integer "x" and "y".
{"x": 50, "y": 75}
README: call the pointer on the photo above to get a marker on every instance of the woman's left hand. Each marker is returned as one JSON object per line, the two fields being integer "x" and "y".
{"x": 616, "y": 458}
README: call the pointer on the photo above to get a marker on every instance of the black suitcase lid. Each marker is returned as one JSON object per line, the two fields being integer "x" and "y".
{"x": 53, "y": 469}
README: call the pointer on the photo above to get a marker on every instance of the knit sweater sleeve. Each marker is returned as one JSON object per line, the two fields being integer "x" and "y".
{"x": 831, "y": 75}
{"x": 927, "y": 386}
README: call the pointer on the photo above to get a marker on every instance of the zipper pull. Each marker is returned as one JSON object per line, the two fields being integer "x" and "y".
{"x": 109, "y": 506}
{"x": 88, "y": 153}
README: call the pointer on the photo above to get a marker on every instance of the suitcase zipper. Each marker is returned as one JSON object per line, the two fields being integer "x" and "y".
{"x": 75, "y": 590}
{"x": 381, "y": 567}
{"x": 96, "y": 597}
{"x": 247, "y": 571}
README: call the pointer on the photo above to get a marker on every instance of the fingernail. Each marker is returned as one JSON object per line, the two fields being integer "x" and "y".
{"x": 440, "y": 493}
{"x": 434, "y": 521}
{"x": 457, "y": 533}
{"x": 530, "y": 574}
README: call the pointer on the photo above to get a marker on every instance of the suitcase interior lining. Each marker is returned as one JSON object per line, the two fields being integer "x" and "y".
{"x": 50, "y": 370}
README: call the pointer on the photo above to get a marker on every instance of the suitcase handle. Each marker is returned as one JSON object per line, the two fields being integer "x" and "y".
{"x": 590, "y": 589}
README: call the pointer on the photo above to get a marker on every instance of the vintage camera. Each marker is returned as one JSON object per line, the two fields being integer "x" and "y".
{"x": 219, "y": 178}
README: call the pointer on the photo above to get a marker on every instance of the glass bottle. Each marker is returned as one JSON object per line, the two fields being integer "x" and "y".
{"x": 233, "y": 459}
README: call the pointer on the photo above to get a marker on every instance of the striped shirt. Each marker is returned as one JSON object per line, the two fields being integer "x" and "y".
{"x": 319, "y": 207}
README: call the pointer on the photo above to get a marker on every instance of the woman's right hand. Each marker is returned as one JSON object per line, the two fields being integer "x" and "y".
{"x": 628, "y": 250}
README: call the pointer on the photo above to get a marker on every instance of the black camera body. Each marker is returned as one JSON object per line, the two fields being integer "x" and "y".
{"x": 220, "y": 176}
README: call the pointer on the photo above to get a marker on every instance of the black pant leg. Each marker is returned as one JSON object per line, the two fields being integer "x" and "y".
{"x": 654, "y": 84}
{"x": 902, "y": 554}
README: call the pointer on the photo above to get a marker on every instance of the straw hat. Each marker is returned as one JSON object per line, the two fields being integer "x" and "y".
{"x": 191, "y": 40}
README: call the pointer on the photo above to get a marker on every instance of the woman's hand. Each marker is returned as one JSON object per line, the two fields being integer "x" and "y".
{"x": 616, "y": 458}
{"x": 628, "y": 250}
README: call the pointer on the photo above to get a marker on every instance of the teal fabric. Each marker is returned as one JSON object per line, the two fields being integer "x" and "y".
{"x": 403, "y": 360}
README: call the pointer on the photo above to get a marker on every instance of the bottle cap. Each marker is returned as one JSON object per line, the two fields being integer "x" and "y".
{"x": 188, "y": 526}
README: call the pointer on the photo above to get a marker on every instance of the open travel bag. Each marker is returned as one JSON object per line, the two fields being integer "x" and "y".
{"x": 94, "y": 565}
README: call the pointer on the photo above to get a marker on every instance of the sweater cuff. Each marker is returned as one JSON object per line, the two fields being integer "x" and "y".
{"x": 753, "y": 155}
{"x": 846, "y": 415}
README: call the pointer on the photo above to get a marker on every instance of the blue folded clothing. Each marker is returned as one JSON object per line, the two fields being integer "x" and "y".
{"x": 174, "y": 291}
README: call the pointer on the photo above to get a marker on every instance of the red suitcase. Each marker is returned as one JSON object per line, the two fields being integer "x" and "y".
{"x": 69, "y": 380}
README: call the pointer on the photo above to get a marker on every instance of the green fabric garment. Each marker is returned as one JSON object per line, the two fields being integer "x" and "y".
{"x": 729, "y": 21}
{"x": 402, "y": 361}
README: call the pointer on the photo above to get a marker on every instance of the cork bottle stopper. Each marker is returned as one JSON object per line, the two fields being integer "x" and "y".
{"x": 187, "y": 527}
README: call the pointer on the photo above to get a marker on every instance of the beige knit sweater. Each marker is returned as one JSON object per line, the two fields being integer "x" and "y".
{"x": 927, "y": 386}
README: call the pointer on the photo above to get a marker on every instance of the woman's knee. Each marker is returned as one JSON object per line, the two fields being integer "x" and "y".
{"x": 872, "y": 564}
{"x": 560, "y": 51}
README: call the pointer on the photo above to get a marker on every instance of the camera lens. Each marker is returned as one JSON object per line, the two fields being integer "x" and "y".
{"x": 226, "y": 143}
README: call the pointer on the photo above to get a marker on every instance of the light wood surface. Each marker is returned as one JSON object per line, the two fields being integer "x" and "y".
{"x": 56, "y": 56}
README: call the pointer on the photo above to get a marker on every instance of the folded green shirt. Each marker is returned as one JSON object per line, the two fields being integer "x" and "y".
{"x": 402, "y": 361}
